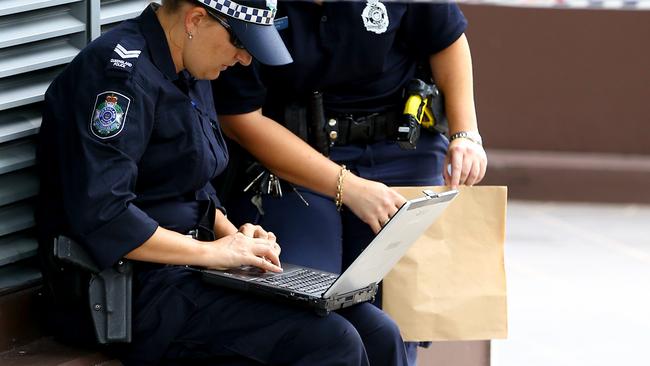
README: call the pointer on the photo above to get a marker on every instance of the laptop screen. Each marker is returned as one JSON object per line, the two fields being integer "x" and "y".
{"x": 392, "y": 242}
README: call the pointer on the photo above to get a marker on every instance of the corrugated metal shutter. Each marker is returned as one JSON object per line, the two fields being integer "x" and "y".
{"x": 37, "y": 38}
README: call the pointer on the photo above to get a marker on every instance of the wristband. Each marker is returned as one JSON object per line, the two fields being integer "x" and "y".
{"x": 473, "y": 136}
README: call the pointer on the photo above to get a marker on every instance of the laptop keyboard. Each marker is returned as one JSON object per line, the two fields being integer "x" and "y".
{"x": 302, "y": 280}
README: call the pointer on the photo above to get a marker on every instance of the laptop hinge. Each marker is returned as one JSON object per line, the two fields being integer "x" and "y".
{"x": 430, "y": 194}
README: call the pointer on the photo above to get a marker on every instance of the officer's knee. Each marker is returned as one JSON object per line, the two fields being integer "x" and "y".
{"x": 335, "y": 341}
{"x": 390, "y": 329}
{"x": 346, "y": 334}
{"x": 380, "y": 334}
{"x": 384, "y": 343}
{"x": 387, "y": 332}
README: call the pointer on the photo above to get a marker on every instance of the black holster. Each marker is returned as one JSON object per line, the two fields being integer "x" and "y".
{"x": 109, "y": 291}
{"x": 308, "y": 122}
{"x": 204, "y": 230}
{"x": 317, "y": 137}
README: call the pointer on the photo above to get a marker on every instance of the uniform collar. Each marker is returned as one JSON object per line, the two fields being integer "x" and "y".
{"x": 157, "y": 42}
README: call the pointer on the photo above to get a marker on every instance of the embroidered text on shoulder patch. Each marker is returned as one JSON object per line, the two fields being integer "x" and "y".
{"x": 123, "y": 59}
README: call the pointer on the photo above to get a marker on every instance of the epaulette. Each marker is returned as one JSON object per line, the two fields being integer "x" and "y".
{"x": 125, "y": 55}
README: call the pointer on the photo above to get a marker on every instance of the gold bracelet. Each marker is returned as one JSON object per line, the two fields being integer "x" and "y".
{"x": 339, "y": 188}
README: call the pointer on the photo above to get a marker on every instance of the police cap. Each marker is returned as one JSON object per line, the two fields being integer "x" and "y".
{"x": 252, "y": 22}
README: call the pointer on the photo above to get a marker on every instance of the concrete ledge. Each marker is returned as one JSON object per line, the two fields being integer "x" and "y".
{"x": 46, "y": 352}
{"x": 570, "y": 176}
{"x": 466, "y": 353}
{"x": 22, "y": 342}
{"x": 18, "y": 319}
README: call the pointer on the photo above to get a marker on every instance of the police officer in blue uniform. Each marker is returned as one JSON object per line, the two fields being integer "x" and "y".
{"x": 358, "y": 57}
{"x": 127, "y": 149}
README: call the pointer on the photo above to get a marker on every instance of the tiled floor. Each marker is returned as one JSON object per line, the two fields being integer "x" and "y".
{"x": 578, "y": 285}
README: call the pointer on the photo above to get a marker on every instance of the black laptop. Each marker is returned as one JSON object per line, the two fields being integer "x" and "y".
{"x": 325, "y": 291}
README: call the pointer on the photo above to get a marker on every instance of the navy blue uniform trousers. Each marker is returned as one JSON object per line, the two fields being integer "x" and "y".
{"x": 321, "y": 237}
{"x": 179, "y": 320}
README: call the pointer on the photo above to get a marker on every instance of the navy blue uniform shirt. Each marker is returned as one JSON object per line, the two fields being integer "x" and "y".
{"x": 359, "y": 64}
{"x": 126, "y": 144}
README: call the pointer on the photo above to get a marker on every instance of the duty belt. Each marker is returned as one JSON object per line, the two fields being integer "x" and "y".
{"x": 349, "y": 129}
{"x": 322, "y": 129}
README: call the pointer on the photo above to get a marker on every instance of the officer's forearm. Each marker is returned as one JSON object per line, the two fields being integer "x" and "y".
{"x": 169, "y": 247}
{"x": 282, "y": 152}
{"x": 452, "y": 71}
{"x": 223, "y": 226}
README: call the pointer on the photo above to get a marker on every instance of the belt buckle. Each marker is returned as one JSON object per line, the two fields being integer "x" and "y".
{"x": 360, "y": 129}
{"x": 348, "y": 118}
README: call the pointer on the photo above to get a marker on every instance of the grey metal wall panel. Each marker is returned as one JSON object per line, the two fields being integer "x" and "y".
{"x": 17, "y": 186}
{"x": 17, "y": 217}
{"x": 39, "y": 25}
{"x": 17, "y": 276}
{"x": 118, "y": 10}
{"x": 23, "y": 89}
{"x": 17, "y": 155}
{"x": 37, "y": 39}
{"x": 18, "y": 123}
{"x": 8, "y": 7}
{"x": 14, "y": 248}
{"x": 38, "y": 55}
{"x": 110, "y": 12}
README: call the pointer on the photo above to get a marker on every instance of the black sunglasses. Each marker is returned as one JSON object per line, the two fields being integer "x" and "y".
{"x": 224, "y": 23}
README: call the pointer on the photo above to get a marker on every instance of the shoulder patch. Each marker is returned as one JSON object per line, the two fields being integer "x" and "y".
{"x": 125, "y": 55}
{"x": 109, "y": 114}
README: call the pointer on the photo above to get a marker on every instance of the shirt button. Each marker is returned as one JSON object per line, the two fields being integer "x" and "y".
{"x": 323, "y": 18}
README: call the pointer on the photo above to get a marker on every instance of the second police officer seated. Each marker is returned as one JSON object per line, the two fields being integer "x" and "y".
{"x": 127, "y": 149}
{"x": 352, "y": 61}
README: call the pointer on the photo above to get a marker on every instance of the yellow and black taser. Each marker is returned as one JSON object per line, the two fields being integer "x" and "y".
{"x": 423, "y": 108}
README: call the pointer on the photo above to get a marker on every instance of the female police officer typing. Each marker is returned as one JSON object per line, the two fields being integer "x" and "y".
{"x": 352, "y": 62}
{"x": 128, "y": 146}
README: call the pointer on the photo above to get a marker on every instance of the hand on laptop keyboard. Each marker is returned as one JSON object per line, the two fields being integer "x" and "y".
{"x": 238, "y": 249}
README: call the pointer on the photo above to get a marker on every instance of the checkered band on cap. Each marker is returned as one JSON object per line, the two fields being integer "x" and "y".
{"x": 241, "y": 12}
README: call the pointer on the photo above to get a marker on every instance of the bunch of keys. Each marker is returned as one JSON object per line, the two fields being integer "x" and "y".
{"x": 269, "y": 184}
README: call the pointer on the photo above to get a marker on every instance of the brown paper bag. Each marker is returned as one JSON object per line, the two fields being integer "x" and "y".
{"x": 451, "y": 284}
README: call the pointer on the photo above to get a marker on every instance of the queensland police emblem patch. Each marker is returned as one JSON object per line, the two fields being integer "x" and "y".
{"x": 375, "y": 17}
{"x": 109, "y": 114}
